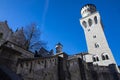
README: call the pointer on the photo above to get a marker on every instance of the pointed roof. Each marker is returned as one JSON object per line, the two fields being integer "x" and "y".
{"x": 19, "y": 36}
{"x": 5, "y": 25}
{"x": 43, "y": 50}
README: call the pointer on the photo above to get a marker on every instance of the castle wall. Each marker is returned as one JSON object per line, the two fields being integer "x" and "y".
{"x": 10, "y": 53}
{"x": 80, "y": 70}
{"x": 102, "y": 72}
{"x": 56, "y": 68}
{"x": 39, "y": 69}
{"x": 8, "y": 58}
{"x": 74, "y": 69}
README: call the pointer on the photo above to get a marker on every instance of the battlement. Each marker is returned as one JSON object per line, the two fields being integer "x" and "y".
{"x": 88, "y": 9}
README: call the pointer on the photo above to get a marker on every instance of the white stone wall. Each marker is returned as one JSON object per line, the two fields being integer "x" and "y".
{"x": 96, "y": 40}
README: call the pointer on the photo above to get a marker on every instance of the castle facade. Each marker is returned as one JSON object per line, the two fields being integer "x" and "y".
{"x": 17, "y": 63}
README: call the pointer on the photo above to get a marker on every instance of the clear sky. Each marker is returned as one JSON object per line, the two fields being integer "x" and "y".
{"x": 59, "y": 21}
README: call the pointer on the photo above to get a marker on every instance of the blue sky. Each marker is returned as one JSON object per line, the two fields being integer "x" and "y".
{"x": 59, "y": 21}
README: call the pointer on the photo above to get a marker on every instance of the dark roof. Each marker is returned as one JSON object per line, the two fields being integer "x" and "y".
{"x": 88, "y": 5}
{"x": 43, "y": 50}
{"x": 59, "y": 44}
{"x": 7, "y": 44}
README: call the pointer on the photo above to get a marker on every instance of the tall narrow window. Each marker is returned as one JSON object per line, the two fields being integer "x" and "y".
{"x": 107, "y": 57}
{"x": 103, "y": 57}
{"x": 95, "y": 19}
{"x": 84, "y": 24}
{"x": 90, "y": 22}
{"x": 97, "y": 58}
{"x": 30, "y": 67}
{"x": 94, "y": 59}
{"x": 1, "y": 35}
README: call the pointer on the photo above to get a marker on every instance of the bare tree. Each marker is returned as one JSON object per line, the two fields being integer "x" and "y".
{"x": 33, "y": 35}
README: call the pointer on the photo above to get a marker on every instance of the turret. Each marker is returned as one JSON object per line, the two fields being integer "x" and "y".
{"x": 59, "y": 47}
{"x": 88, "y": 9}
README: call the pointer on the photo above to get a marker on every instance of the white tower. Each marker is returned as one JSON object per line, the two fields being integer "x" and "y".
{"x": 96, "y": 41}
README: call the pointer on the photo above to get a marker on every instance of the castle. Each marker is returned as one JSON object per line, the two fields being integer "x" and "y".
{"x": 17, "y": 63}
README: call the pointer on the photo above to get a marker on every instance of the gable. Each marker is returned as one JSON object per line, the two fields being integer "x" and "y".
{"x": 4, "y": 30}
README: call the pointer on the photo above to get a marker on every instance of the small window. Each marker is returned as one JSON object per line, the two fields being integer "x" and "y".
{"x": 30, "y": 70}
{"x": 103, "y": 57}
{"x": 95, "y": 19}
{"x": 53, "y": 60}
{"x": 88, "y": 30}
{"x": 97, "y": 45}
{"x": 94, "y": 36}
{"x": 90, "y": 22}
{"x": 38, "y": 62}
{"x": 94, "y": 59}
{"x": 45, "y": 74}
{"x": 26, "y": 64}
{"x": 42, "y": 62}
{"x": 1, "y": 35}
{"x": 107, "y": 57}
{"x": 21, "y": 65}
{"x": 97, "y": 58}
{"x": 50, "y": 60}
{"x": 84, "y": 24}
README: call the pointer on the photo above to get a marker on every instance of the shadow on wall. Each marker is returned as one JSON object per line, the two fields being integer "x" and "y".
{"x": 7, "y": 74}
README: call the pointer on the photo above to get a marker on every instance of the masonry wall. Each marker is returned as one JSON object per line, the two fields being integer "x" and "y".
{"x": 39, "y": 69}
{"x": 55, "y": 67}
{"x": 102, "y": 72}
{"x": 80, "y": 70}
{"x": 74, "y": 69}
{"x": 8, "y": 58}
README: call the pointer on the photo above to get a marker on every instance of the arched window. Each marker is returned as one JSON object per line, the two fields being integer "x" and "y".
{"x": 95, "y": 19}
{"x": 84, "y": 24}
{"x": 90, "y": 22}
{"x": 97, "y": 45}
{"x": 95, "y": 58}
{"x": 105, "y": 56}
